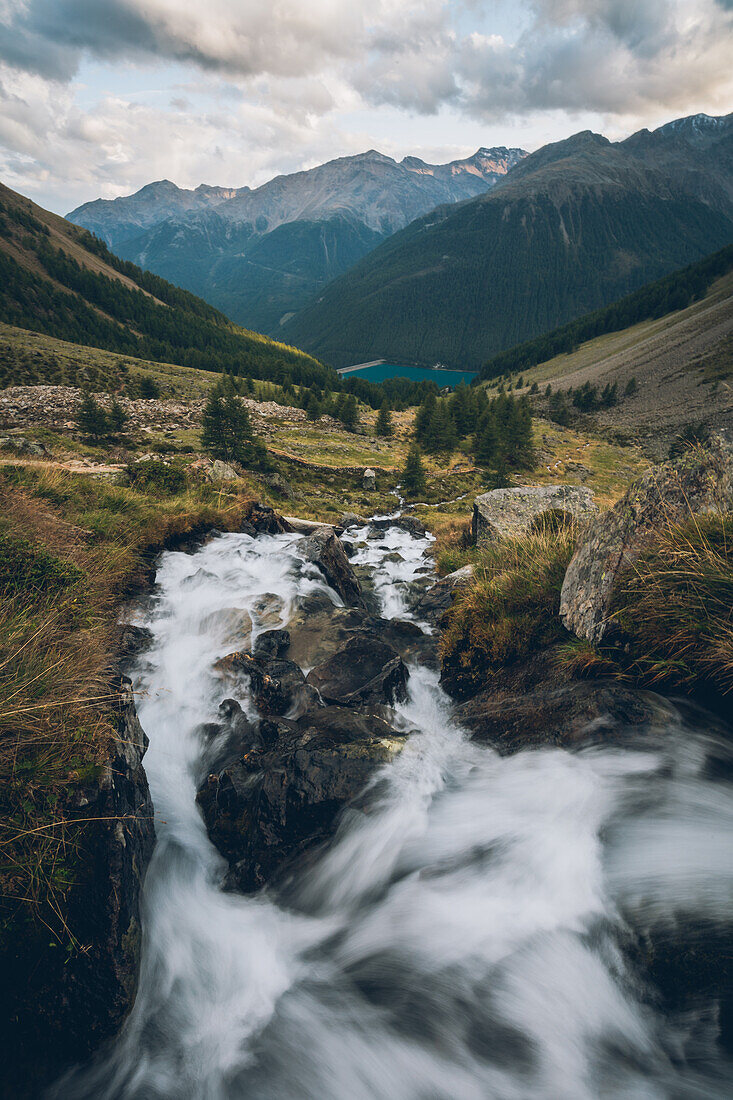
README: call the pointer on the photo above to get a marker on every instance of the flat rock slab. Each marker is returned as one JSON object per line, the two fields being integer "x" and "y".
{"x": 699, "y": 483}
{"x": 509, "y": 513}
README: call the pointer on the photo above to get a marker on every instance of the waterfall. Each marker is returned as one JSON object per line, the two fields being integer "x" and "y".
{"x": 494, "y": 927}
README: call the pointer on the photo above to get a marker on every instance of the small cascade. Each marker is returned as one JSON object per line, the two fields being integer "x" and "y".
{"x": 494, "y": 927}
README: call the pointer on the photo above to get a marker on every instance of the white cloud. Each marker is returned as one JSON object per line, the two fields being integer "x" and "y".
{"x": 274, "y": 87}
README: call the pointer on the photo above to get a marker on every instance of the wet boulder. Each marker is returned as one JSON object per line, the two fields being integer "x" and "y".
{"x": 272, "y": 643}
{"x": 510, "y": 513}
{"x": 699, "y": 483}
{"x": 266, "y": 521}
{"x": 318, "y": 628}
{"x": 560, "y": 714}
{"x": 366, "y": 670}
{"x": 280, "y": 802}
{"x": 350, "y": 519}
{"x": 433, "y": 603}
{"x": 133, "y": 642}
{"x": 227, "y": 739}
{"x": 277, "y": 685}
{"x": 323, "y": 548}
{"x": 411, "y": 524}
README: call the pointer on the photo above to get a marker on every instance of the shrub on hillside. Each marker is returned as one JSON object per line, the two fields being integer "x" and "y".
{"x": 152, "y": 475}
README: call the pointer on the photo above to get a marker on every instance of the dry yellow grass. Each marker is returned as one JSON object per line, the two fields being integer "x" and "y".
{"x": 70, "y": 548}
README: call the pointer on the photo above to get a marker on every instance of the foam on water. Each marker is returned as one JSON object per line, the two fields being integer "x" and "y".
{"x": 474, "y": 935}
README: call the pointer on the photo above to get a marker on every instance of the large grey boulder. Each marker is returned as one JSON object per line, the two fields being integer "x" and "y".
{"x": 699, "y": 483}
{"x": 324, "y": 549}
{"x": 509, "y": 513}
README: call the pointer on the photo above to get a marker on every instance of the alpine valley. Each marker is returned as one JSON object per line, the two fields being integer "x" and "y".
{"x": 260, "y": 255}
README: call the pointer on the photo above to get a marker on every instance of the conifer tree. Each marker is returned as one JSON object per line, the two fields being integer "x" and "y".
{"x": 226, "y": 432}
{"x": 313, "y": 408}
{"x": 413, "y": 475}
{"x": 349, "y": 415}
{"x": 442, "y": 432}
{"x": 117, "y": 418}
{"x": 384, "y": 421}
{"x": 486, "y": 445}
{"x": 423, "y": 416}
{"x": 91, "y": 418}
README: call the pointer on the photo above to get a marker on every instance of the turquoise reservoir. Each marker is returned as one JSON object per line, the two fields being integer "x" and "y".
{"x": 380, "y": 371}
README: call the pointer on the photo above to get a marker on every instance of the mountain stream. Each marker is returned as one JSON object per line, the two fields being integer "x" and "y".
{"x": 485, "y": 931}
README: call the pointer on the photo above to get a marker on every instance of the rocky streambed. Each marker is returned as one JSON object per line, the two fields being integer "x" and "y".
{"x": 360, "y": 890}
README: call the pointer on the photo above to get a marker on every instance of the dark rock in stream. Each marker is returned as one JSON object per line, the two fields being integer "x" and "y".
{"x": 277, "y": 685}
{"x": 272, "y": 643}
{"x": 133, "y": 641}
{"x": 566, "y": 714}
{"x": 280, "y": 802}
{"x": 411, "y": 524}
{"x": 434, "y": 602}
{"x": 318, "y": 629}
{"x": 324, "y": 549}
{"x": 365, "y": 670}
{"x": 266, "y": 521}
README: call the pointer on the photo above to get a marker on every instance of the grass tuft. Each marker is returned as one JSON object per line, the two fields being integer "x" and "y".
{"x": 675, "y": 607}
{"x": 511, "y": 611}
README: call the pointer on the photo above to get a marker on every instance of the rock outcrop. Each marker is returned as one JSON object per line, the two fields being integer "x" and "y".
{"x": 433, "y": 604}
{"x": 57, "y": 1009}
{"x": 324, "y": 549}
{"x": 366, "y": 670}
{"x": 509, "y": 513}
{"x": 700, "y": 482}
{"x": 282, "y": 801}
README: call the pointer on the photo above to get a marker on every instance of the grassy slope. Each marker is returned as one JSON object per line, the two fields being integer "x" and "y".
{"x": 34, "y": 358}
{"x": 26, "y": 229}
{"x": 683, "y": 364}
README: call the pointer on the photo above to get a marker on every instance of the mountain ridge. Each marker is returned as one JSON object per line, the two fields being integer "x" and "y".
{"x": 574, "y": 226}
{"x": 219, "y": 248}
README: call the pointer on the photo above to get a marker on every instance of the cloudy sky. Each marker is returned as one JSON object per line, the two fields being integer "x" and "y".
{"x": 98, "y": 97}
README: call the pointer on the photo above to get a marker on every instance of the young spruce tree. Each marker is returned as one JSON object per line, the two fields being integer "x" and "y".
{"x": 226, "y": 432}
{"x": 384, "y": 421}
{"x": 413, "y": 475}
{"x": 91, "y": 418}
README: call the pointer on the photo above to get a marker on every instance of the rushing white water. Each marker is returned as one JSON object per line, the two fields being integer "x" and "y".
{"x": 480, "y": 933}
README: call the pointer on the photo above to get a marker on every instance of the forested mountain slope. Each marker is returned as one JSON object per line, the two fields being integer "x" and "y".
{"x": 573, "y": 227}
{"x": 58, "y": 279}
{"x": 260, "y": 254}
